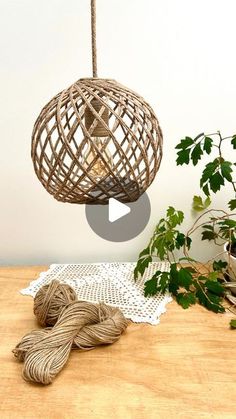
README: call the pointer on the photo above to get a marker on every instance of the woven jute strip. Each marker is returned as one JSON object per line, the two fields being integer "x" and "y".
{"x": 100, "y": 130}
{"x": 70, "y": 324}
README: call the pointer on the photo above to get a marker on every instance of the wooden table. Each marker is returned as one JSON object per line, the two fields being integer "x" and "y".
{"x": 183, "y": 368}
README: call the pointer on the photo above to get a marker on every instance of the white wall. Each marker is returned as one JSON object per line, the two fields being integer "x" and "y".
{"x": 179, "y": 55}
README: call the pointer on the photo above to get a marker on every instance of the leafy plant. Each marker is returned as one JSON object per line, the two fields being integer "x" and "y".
{"x": 216, "y": 172}
{"x": 189, "y": 280}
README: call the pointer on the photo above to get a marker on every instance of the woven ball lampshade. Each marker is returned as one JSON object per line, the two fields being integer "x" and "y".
{"x": 96, "y": 140}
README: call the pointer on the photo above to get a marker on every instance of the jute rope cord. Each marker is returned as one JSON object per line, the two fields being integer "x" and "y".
{"x": 93, "y": 32}
{"x": 70, "y": 324}
{"x": 76, "y": 129}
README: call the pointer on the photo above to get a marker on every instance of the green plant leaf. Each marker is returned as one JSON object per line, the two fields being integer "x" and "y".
{"x": 164, "y": 281}
{"x": 174, "y": 282}
{"x": 198, "y": 136}
{"x": 226, "y": 170}
{"x": 233, "y": 321}
{"x": 196, "y": 154}
{"x": 227, "y": 224}
{"x": 207, "y": 202}
{"x": 208, "y": 227}
{"x": 198, "y": 204}
{"x": 210, "y": 301}
{"x": 227, "y": 229}
{"x": 183, "y": 157}
{"x": 174, "y": 217}
{"x": 218, "y": 265}
{"x": 233, "y": 141}
{"x": 186, "y": 299}
{"x": 180, "y": 240}
{"x": 215, "y": 299}
{"x": 215, "y": 287}
{"x": 190, "y": 269}
{"x": 216, "y": 181}
{"x": 159, "y": 282}
{"x": 208, "y": 145}
{"x": 185, "y": 278}
{"x": 180, "y": 217}
{"x": 206, "y": 189}
{"x": 232, "y": 204}
{"x": 150, "y": 287}
{"x": 160, "y": 245}
{"x": 208, "y": 235}
{"x": 209, "y": 170}
{"x": 185, "y": 143}
{"x": 188, "y": 242}
{"x": 170, "y": 211}
{"x": 213, "y": 276}
{"x": 143, "y": 262}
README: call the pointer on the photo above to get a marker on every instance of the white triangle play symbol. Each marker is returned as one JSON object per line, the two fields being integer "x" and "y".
{"x": 117, "y": 210}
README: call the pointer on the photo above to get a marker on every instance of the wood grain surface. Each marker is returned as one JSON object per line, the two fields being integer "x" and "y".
{"x": 185, "y": 367}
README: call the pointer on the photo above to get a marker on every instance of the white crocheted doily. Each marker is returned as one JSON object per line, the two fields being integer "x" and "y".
{"x": 111, "y": 283}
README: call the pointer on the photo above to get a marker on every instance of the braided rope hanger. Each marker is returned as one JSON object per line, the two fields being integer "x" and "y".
{"x": 94, "y": 37}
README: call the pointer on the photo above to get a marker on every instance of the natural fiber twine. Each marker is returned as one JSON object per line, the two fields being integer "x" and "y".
{"x": 73, "y": 324}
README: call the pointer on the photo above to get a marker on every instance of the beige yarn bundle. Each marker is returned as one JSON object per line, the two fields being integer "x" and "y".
{"x": 72, "y": 324}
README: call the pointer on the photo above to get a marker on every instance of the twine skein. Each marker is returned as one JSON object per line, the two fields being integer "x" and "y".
{"x": 72, "y": 324}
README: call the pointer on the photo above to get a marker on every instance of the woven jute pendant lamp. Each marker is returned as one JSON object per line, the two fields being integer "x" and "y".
{"x": 96, "y": 140}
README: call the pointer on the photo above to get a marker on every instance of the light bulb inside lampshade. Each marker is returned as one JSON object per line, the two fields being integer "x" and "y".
{"x": 96, "y": 165}
{"x": 98, "y": 159}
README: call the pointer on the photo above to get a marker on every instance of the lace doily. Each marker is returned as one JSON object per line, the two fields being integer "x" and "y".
{"x": 111, "y": 283}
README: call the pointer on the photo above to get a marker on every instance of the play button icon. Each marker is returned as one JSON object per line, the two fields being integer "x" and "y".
{"x": 119, "y": 222}
{"x": 117, "y": 210}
